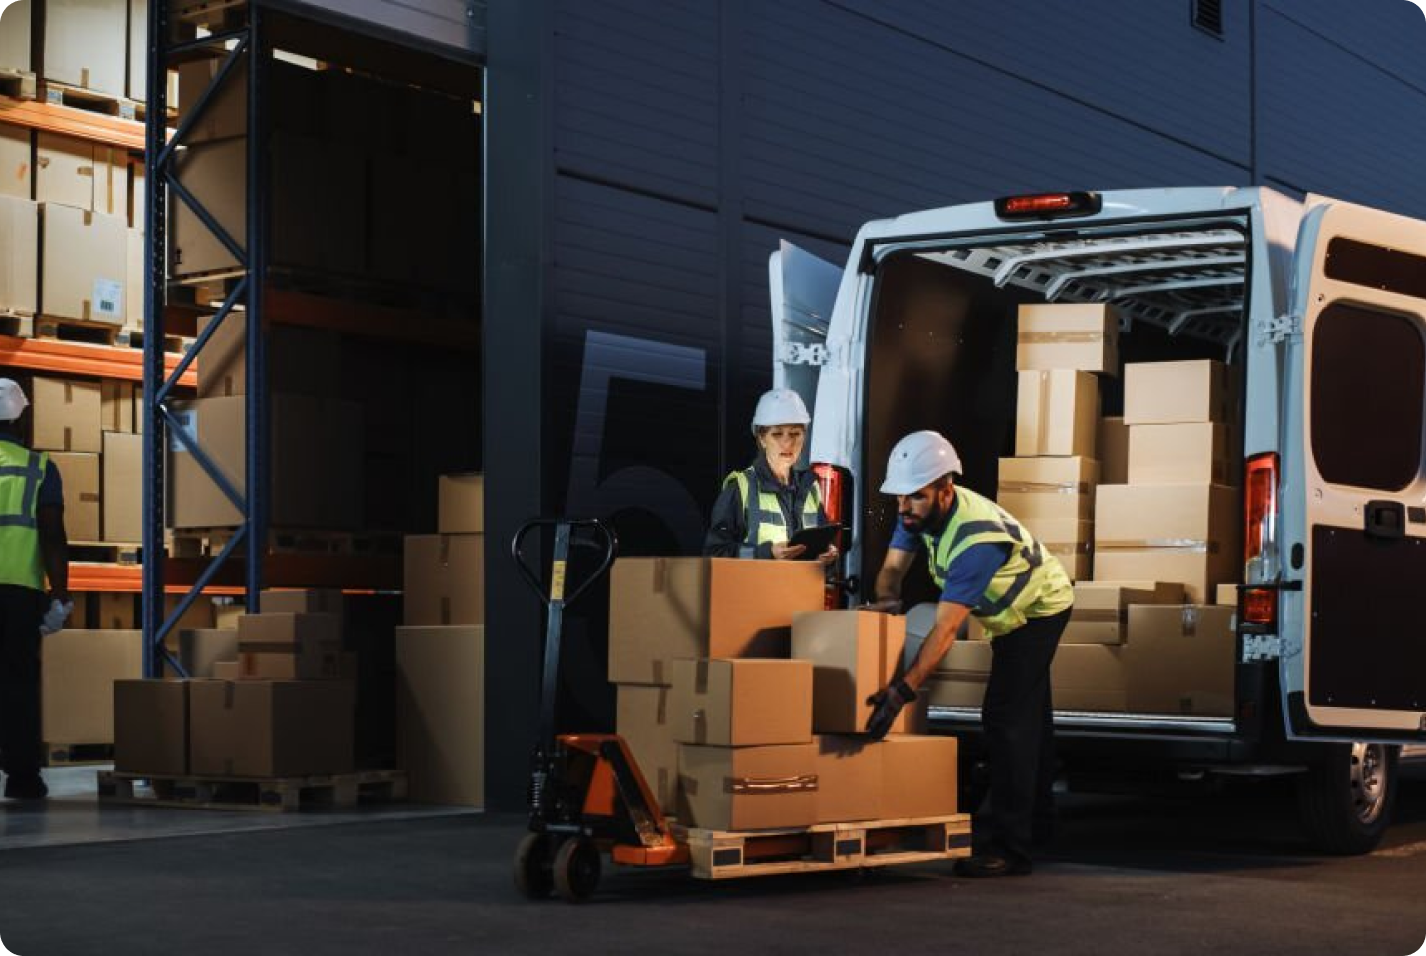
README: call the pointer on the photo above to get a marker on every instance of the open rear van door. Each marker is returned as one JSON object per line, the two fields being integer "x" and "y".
{"x": 803, "y": 289}
{"x": 1355, "y": 515}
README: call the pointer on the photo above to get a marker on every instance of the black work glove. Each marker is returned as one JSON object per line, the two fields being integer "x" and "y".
{"x": 887, "y": 704}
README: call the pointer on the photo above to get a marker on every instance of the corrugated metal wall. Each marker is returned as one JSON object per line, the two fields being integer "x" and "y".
{"x": 455, "y": 24}
{"x": 690, "y": 136}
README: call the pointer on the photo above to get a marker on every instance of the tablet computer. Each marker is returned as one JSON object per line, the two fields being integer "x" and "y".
{"x": 816, "y": 540}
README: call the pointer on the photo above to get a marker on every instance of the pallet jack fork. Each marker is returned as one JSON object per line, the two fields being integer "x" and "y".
{"x": 587, "y": 794}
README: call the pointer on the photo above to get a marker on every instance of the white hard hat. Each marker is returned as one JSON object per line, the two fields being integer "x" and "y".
{"x": 917, "y": 460}
{"x": 12, "y": 400}
{"x": 780, "y": 406}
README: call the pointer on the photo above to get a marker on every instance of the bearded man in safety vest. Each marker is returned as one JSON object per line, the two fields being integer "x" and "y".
{"x": 33, "y": 547}
{"x": 988, "y": 564}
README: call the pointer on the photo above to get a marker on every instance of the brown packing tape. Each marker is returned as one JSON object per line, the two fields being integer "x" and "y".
{"x": 1189, "y": 625}
{"x": 445, "y": 550}
{"x": 86, "y": 171}
{"x": 69, "y": 393}
{"x": 88, "y": 496}
{"x": 84, "y": 77}
{"x": 700, "y": 677}
{"x": 770, "y": 786}
{"x": 659, "y": 677}
{"x": 1042, "y": 426}
{"x": 700, "y": 726}
{"x": 68, "y": 438}
{"x": 660, "y": 575}
{"x": 661, "y": 711}
{"x": 1062, "y": 548}
{"x": 1188, "y": 545}
{"x": 1045, "y": 487}
{"x": 1049, "y": 338}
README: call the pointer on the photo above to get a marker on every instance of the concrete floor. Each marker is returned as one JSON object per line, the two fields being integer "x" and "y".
{"x": 1210, "y": 874}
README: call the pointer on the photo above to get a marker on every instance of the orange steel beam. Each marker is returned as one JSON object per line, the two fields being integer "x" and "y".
{"x": 125, "y": 577}
{"x": 81, "y": 358}
{"x": 84, "y": 124}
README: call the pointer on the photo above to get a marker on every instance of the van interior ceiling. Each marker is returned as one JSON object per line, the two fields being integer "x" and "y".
{"x": 943, "y": 331}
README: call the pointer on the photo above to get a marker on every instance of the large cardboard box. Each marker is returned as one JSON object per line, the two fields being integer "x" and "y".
{"x": 946, "y": 689}
{"x": 216, "y": 173}
{"x": 747, "y": 788}
{"x": 117, "y": 404}
{"x": 1047, "y": 489}
{"x": 918, "y": 777}
{"x": 1113, "y": 448}
{"x": 1089, "y": 678}
{"x": 65, "y": 415}
{"x": 78, "y": 669}
{"x": 741, "y": 703}
{"x": 113, "y": 611}
{"x": 445, "y": 580}
{"x": 1187, "y": 453}
{"x": 134, "y": 283}
{"x": 1181, "y": 660}
{"x": 123, "y": 488}
{"x": 83, "y": 262}
{"x": 17, "y": 165}
{"x": 461, "y": 504}
{"x": 226, "y": 114}
{"x": 20, "y": 265}
{"x": 1057, "y": 413}
{"x": 440, "y": 700}
{"x": 73, "y": 172}
{"x": 300, "y": 360}
{"x": 260, "y": 728}
{"x": 1169, "y": 393}
{"x": 642, "y": 719}
{"x": 15, "y": 37}
{"x": 854, "y": 654}
{"x": 666, "y": 608}
{"x": 1185, "y": 533}
{"x": 200, "y": 648}
{"x": 849, "y": 779}
{"x": 151, "y": 727}
{"x": 1101, "y": 608}
{"x": 79, "y": 473}
{"x": 1071, "y": 542}
{"x": 1084, "y": 337}
{"x": 1226, "y": 595}
{"x": 85, "y": 44}
{"x": 314, "y": 460}
{"x": 290, "y": 646}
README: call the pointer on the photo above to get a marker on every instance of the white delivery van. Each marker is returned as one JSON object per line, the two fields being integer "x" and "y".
{"x": 1318, "y": 310}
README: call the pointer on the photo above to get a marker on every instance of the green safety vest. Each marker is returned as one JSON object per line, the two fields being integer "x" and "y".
{"x": 1030, "y": 584}
{"x": 21, "y": 472}
{"x": 765, "y": 520}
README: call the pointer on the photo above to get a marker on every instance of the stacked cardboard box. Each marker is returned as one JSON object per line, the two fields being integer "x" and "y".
{"x": 440, "y": 652}
{"x": 1050, "y": 482}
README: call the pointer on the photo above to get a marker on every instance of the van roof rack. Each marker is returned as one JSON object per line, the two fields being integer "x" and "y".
{"x": 1188, "y": 282}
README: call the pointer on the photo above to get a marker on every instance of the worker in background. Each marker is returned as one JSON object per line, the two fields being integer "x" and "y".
{"x": 988, "y": 564}
{"x": 33, "y": 548}
{"x": 765, "y": 504}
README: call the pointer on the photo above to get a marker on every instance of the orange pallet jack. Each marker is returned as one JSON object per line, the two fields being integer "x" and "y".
{"x": 587, "y": 795}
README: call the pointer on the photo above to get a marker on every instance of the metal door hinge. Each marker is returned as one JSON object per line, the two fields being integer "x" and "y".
{"x": 1279, "y": 328}
{"x": 1261, "y": 647}
{"x": 797, "y": 353}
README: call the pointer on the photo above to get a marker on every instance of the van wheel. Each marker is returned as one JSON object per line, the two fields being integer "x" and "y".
{"x": 1346, "y": 797}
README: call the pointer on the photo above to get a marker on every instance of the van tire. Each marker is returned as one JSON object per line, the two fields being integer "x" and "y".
{"x": 1346, "y": 797}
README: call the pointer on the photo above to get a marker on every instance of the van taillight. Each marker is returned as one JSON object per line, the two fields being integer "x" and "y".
{"x": 1260, "y": 606}
{"x": 1260, "y": 538}
{"x": 835, "y": 485}
{"x": 1048, "y": 205}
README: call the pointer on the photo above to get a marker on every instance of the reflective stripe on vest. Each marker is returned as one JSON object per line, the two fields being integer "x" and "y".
{"x": 21, "y": 472}
{"x": 1030, "y": 580}
{"x": 765, "y": 520}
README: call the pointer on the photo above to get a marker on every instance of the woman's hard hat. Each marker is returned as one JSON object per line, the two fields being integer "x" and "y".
{"x": 917, "y": 460}
{"x": 12, "y": 400}
{"x": 780, "y": 406}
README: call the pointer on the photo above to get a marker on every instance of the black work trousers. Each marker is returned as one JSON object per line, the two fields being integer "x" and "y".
{"x": 1018, "y": 717}
{"x": 21, "y": 612}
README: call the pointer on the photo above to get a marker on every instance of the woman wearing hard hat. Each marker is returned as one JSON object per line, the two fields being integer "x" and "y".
{"x": 33, "y": 548}
{"x": 988, "y": 564}
{"x": 761, "y": 507}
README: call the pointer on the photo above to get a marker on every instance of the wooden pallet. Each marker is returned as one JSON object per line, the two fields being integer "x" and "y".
{"x": 273, "y": 794}
{"x": 92, "y": 101}
{"x": 213, "y": 15}
{"x": 133, "y": 338}
{"x": 68, "y": 755}
{"x": 17, "y": 84}
{"x": 104, "y": 552}
{"x": 75, "y": 330}
{"x": 721, "y": 855}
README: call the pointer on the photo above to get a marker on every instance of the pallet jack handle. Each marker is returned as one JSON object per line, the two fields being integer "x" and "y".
{"x": 568, "y": 532}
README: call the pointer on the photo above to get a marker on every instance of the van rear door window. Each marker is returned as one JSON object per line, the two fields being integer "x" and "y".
{"x": 1368, "y": 387}
{"x": 1376, "y": 267}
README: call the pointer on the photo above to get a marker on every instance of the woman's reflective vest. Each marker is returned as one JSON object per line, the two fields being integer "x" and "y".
{"x": 1031, "y": 583}
{"x": 765, "y": 521}
{"x": 21, "y": 472}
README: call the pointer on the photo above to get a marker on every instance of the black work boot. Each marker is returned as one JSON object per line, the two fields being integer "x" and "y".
{"x": 26, "y": 788}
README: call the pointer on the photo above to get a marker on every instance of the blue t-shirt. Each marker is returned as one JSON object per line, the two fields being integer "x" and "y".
{"x": 969, "y": 574}
{"x": 51, "y": 486}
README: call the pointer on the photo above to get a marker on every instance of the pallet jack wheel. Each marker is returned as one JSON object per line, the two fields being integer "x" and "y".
{"x": 576, "y": 870}
{"x": 533, "y": 876}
